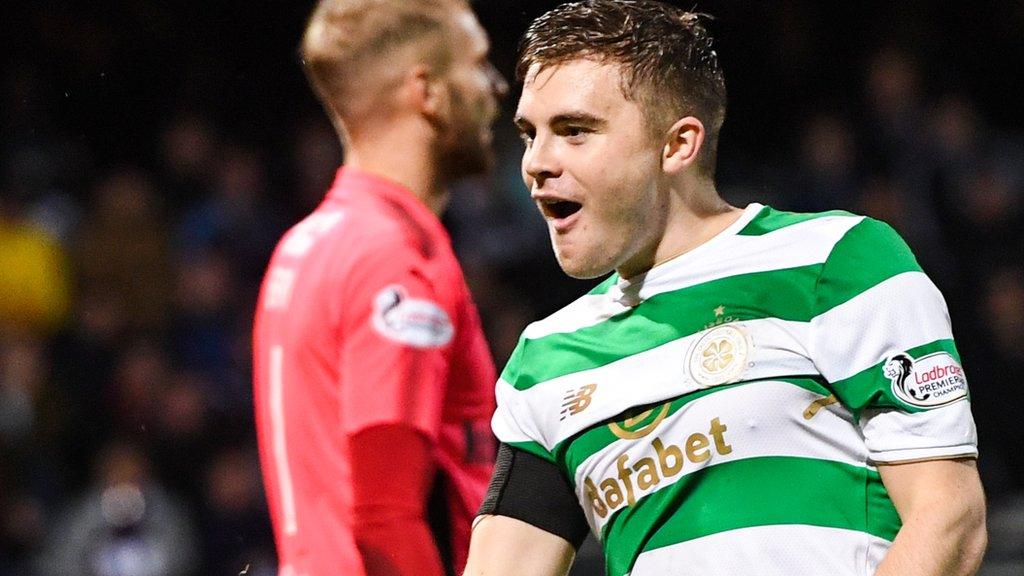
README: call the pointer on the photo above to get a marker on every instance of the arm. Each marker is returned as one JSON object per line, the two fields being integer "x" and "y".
{"x": 503, "y": 546}
{"x": 392, "y": 473}
{"x": 392, "y": 374}
{"x": 881, "y": 329}
{"x": 942, "y": 507}
{"x": 530, "y": 521}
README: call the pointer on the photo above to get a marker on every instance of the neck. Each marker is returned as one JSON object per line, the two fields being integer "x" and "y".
{"x": 694, "y": 215}
{"x": 400, "y": 151}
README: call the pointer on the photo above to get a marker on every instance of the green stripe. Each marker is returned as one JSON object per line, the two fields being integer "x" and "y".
{"x": 574, "y": 451}
{"x": 870, "y": 388}
{"x": 605, "y": 285}
{"x": 770, "y": 220}
{"x": 870, "y": 253}
{"x": 752, "y": 492}
{"x": 785, "y": 294}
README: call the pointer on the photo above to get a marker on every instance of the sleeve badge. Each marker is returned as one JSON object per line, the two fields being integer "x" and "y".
{"x": 411, "y": 321}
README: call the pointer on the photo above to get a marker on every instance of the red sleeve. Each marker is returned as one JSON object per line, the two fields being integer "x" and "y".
{"x": 395, "y": 338}
{"x": 392, "y": 472}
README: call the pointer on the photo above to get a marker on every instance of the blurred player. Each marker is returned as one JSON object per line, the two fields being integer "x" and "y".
{"x": 373, "y": 383}
{"x": 753, "y": 391}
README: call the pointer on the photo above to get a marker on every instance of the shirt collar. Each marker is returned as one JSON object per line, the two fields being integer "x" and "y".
{"x": 353, "y": 181}
{"x": 631, "y": 292}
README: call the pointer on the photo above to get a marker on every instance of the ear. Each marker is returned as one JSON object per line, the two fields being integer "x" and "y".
{"x": 425, "y": 92}
{"x": 684, "y": 142}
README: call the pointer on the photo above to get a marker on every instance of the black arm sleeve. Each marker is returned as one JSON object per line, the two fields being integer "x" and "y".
{"x": 531, "y": 489}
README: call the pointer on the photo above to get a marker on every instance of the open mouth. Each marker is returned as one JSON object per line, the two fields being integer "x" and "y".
{"x": 560, "y": 208}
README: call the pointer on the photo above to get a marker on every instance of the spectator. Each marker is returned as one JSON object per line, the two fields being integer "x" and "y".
{"x": 234, "y": 527}
{"x": 126, "y": 524}
{"x": 188, "y": 150}
{"x": 236, "y": 219}
{"x": 828, "y": 176}
{"x": 124, "y": 249}
{"x": 34, "y": 275}
{"x": 131, "y": 167}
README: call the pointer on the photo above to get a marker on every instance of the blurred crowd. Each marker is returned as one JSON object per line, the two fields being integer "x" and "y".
{"x": 130, "y": 262}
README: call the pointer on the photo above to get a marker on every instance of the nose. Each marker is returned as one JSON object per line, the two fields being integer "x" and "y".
{"x": 498, "y": 84}
{"x": 539, "y": 163}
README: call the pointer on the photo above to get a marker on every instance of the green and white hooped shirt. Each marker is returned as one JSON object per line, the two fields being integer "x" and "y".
{"x": 722, "y": 413}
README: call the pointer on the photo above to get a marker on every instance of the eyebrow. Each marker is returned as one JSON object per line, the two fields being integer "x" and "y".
{"x": 577, "y": 118}
{"x": 574, "y": 117}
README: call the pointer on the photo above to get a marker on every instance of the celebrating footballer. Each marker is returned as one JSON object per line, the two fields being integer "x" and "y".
{"x": 751, "y": 391}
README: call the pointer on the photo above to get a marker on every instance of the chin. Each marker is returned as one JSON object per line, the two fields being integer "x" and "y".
{"x": 581, "y": 270}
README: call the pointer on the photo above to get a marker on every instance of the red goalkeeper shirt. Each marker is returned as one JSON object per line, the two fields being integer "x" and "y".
{"x": 363, "y": 319}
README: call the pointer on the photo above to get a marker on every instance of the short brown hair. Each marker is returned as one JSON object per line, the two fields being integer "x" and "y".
{"x": 347, "y": 45}
{"x": 666, "y": 57}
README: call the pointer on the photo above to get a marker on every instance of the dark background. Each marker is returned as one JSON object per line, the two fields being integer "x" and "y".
{"x": 152, "y": 152}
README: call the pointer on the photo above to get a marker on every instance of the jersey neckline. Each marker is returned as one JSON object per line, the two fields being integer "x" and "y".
{"x": 627, "y": 291}
{"x": 350, "y": 182}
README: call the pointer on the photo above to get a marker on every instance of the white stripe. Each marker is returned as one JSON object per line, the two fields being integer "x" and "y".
{"x": 779, "y": 550}
{"x": 284, "y": 475}
{"x": 899, "y": 313}
{"x": 654, "y": 375}
{"x": 896, "y": 436}
{"x": 508, "y": 422}
{"x": 588, "y": 310}
{"x": 761, "y": 419}
{"x": 802, "y": 244}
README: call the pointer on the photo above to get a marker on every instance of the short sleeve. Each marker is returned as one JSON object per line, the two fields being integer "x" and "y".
{"x": 513, "y": 422}
{"x": 881, "y": 337}
{"x": 394, "y": 341}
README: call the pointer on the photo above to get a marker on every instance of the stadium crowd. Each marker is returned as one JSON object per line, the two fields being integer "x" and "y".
{"x": 149, "y": 162}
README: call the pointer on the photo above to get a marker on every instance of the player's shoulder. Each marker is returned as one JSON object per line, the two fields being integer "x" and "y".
{"x": 771, "y": 221}
{"x": 378, "y": 230}
{"x": 840, "y": 230}
{"x": 311, "y": 233}
{"x": 346, "y": 235}
{"x": 390, "y": 222}
{"x": 867, "y": 254}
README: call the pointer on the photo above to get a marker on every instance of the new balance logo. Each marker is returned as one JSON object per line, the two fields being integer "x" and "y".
{"x": 577, "y": 401}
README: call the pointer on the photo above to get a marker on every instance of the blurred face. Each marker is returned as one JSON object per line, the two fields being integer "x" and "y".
{"x": 474, "y": 88}
{"x": 592, "y": 168}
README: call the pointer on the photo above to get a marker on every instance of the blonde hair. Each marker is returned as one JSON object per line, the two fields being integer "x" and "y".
{"x": 352, "y": 49}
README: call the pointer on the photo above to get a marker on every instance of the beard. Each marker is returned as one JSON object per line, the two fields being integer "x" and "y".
{"x": 467, "y": 156}
{"x": 465, "y": 150}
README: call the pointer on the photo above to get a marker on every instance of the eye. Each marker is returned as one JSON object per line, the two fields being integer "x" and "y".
{"x": 574, "y": 134}
{"x": 526, "y": 137}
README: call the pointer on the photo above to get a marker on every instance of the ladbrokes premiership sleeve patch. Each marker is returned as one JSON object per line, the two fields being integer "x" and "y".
{"x": 929, "y": 381}
{"x": 415, "y": 322}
